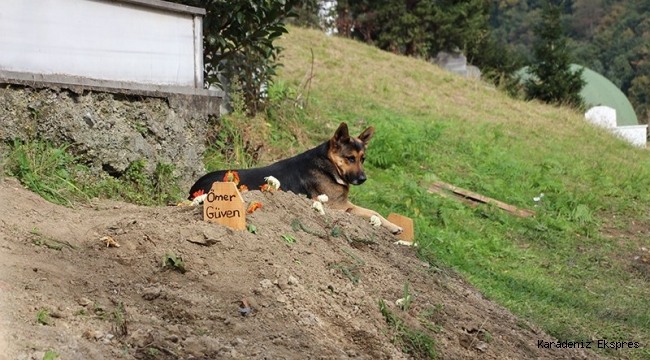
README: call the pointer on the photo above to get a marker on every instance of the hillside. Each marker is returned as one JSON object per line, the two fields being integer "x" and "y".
{"x": 579, "y": 268}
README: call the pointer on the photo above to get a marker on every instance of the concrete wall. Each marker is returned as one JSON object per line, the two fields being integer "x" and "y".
{"x": 636, "y": 135}
{"x": 138, "y": 41}
{"x": 605, "y": 117}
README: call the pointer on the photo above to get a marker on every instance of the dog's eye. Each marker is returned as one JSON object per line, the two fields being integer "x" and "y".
{"x": 351, "y": 159}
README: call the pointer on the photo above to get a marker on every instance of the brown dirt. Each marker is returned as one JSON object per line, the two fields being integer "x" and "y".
{"x": 108, "y": 303}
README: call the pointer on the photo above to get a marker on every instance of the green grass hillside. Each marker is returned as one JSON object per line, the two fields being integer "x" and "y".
{"x": 578, "y": 269}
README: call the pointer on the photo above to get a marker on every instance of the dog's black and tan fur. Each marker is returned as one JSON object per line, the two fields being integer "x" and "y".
{"x": 328, "y": 169}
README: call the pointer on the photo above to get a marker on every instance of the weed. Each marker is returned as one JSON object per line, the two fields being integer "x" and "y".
{"x": 227, "y": 147}
{"x": 200, "y": 331}
{"x": 137, "y": 185}
{"x": 44, "y": 169}
{"x": 251, "y": 229}
{"x": 351, "y": 270}
{"x": 98, "y": 311}
{"x": 141, "y": 128}
{"x": 407, "y": 297}
{"x": 119, "y": 319}
{"x": 413, "y": 342}
{"x": 165, "y": 184}
{"x": 153, "y": 351}
{"x": 289, "y": 239}
{"x": 296, "y": 225}
{"x": 172, "y": 260}
{"x": 54, "y": 174}
{"x": 43, "y": 317}
{"x": 50, "y": 355}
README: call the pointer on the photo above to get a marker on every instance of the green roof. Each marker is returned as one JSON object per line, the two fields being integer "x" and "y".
{"x": 598, "y": 90}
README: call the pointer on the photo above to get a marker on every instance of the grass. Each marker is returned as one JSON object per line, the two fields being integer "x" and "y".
{"x": 54, "y": 174}
{"x": 569, "y": 269}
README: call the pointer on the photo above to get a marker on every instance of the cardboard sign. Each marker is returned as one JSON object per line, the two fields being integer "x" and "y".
{"x": 405, "y": 223}
{"x": 224, "y": 205}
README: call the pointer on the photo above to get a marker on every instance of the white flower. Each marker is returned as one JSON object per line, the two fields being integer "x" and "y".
{"x": 318, "y": 206}
{"x": 274, "y": 183}
{"x": 405, "y": 243}
{"x": 538, "y": 198}
{"x": 322, "y": 198}
{"x": 375, "y": 221}
{"x": 199, "y": 199}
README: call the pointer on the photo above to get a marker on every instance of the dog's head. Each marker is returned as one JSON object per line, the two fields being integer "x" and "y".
{"x": 348, "y": 154}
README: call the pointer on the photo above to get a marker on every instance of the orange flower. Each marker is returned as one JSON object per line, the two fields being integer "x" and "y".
{"x": 197, "y": 194}
{"x": 265, "y": 187}
{"x": 243, "y": 188}
{"x": 231, "y": 176}
{"x": 253, "y": 206}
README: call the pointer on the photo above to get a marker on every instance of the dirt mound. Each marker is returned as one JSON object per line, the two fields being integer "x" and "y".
{"x": 64, "y": 290}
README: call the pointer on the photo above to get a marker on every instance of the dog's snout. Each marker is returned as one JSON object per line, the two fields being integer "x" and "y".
{"x": 360, "y": 180}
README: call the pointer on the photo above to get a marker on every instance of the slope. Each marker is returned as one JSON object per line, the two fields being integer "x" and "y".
{"x": 578, "y": 269}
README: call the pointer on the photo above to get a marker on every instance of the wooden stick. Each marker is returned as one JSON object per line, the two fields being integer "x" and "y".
{"x": 472, "y": 199}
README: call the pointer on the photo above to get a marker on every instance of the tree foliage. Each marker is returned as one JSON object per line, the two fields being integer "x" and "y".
{"x": 422, "y": 28}
{"x": 238, "y": 43}
{"x": 610, "y": 37}
{"x": 553, "y": 80}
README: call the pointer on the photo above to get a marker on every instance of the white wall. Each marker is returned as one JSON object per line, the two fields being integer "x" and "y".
{"x": 605, "y": 117}
{"x": 104, "y": 40}
{"x": 636, "y": 135}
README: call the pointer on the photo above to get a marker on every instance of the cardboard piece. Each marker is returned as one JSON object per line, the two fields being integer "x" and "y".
{"x": 405, "y": 223}
{"x": 224, "y": 205}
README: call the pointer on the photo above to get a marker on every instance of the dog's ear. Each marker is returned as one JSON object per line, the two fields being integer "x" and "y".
{"x": 367, "y": 134}
{"x": 341, "y": 135}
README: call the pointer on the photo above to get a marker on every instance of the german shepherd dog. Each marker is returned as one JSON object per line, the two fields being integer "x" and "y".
{"x": 327, "y": 169}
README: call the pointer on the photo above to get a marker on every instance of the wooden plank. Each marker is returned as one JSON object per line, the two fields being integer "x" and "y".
{"x": 224, "y": 205}
{"x": 405, "y": 223}
{"x": 465, "y": 195}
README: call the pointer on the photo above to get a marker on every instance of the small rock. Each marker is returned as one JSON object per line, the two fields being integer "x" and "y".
{"x": 151, "y": 293}
{"x": 92, "y": 334}
{"x": 173, "y": 338}
{"x": 482, "y": 347}
{"x": 266, "y": 283}
{"x": 140, "y": 338}
{"x": 252, "y": 302}
{"x": 292, "y": 280}
{"x": 282, "y": 285}
{"x": 57, "y": 315}
{"x": 84, "y": 301}
{"x": 192, "y": 345}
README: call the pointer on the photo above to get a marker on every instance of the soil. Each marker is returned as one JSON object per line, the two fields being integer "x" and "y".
{"x": 315, "y": 298}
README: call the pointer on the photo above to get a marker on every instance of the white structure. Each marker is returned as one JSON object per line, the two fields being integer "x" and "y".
{"x": 605, "y": 117}
{"x": 117, "y": 42}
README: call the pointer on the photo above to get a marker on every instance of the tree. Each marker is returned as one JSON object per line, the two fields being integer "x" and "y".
{"x": 552, "y": 79}
{"x": 238, "y": 42}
